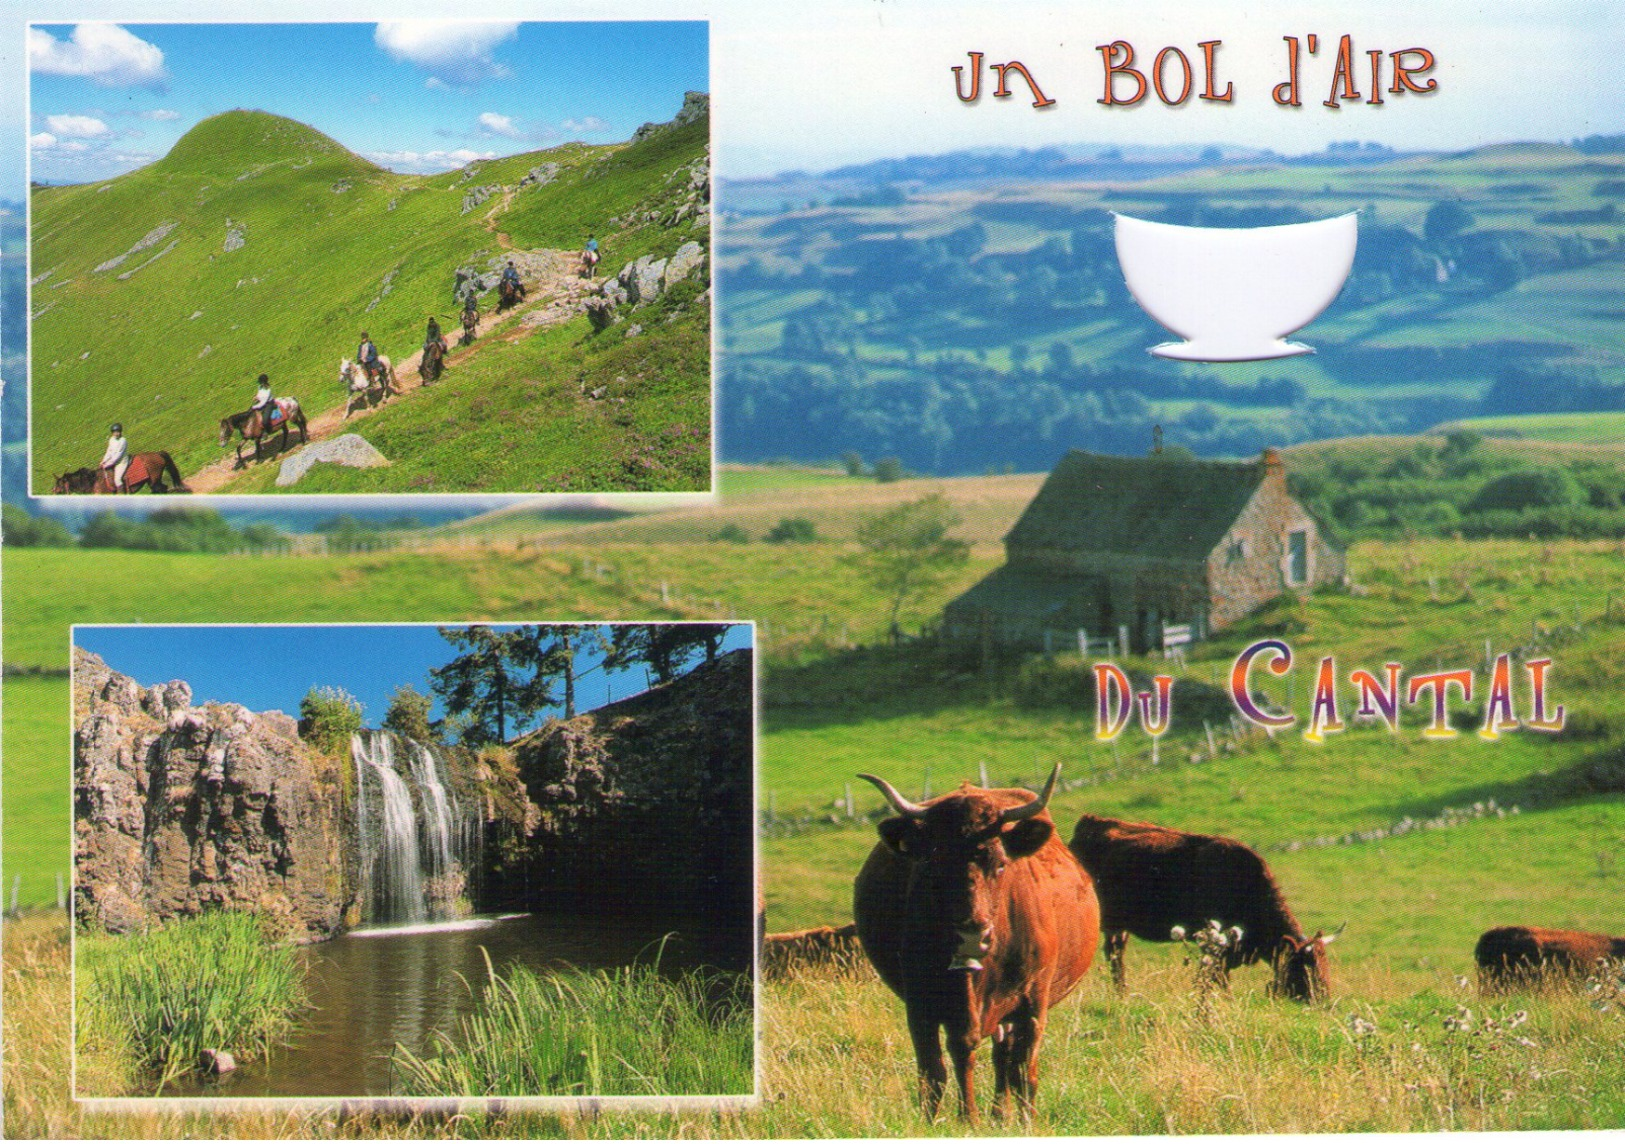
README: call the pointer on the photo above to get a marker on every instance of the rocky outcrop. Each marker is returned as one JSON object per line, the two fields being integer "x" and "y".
{"x": 696, "y": 104}
{"x": 646, "y": 805}
{"x": 180, "y": 809}
{"x": 646, "y": 279}
{"x": 350, "y": 449}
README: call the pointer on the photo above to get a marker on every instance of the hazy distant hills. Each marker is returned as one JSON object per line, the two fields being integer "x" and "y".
{"x": 965, "y": 313}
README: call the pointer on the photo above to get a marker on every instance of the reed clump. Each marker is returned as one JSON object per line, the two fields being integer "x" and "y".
{"x": 628, "y": 1031}
{"x": 216, "y": 981}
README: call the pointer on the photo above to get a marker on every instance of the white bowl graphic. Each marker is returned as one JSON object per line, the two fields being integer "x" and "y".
{"x": 1234, "y": 294}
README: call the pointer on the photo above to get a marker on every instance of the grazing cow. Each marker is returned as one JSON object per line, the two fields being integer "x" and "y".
{"x": 1151, "y": 879}
{"x": 979, "y": 918}
{"x": 1513, "y": 956}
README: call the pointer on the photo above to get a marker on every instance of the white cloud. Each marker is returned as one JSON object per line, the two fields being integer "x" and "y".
{"x": 494, "y": 124}
{"x": 590, "y": 125}
{"x": 42, "y": 140}
{"x": 455, "y": 54}
{"x": 427, "y": 162}
{"x": 105, "y": 54}
{"x": 76, "y": 127}
{"x": 160, "y": 115}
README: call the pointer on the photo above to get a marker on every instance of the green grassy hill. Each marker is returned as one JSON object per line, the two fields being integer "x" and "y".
{"x": 259, "y": 244}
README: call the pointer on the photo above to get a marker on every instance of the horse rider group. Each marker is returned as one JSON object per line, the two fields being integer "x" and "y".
{"x": 116, "y": 458}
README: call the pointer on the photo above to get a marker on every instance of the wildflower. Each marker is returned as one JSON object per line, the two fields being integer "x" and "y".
{"x": 1177, "y": 933}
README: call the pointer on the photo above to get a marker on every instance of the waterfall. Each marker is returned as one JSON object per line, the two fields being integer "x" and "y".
{"x": 419, "y": 849}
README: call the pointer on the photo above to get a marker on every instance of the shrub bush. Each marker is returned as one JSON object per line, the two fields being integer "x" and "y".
{"x": 328, "y": 716}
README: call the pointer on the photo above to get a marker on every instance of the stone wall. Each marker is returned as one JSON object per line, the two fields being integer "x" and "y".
{"x": 1252, "y": 565}
{"x": 179, "y": 809}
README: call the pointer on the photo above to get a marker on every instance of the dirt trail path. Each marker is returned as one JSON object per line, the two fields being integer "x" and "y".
{"x": 555, "y": 294}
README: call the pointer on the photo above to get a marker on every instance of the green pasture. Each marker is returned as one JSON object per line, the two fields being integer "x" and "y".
{"x": 521, "y": 415}
{"x": 1159, "y": 1060}
{"x": 1576, "y": 428}
{"x": 286, "y": 247}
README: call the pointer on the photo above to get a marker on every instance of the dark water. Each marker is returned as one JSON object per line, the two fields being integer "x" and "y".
{"x": 375, "y": 989}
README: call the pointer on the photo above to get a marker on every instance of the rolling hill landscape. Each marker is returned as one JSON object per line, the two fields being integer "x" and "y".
{"x": 965, "y": 313}
{"x": 260, "y": 245}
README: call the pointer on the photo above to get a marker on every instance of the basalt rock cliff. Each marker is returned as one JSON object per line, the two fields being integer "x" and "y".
{"x": 179, "y": 809}
{"x": 646, "y": 806}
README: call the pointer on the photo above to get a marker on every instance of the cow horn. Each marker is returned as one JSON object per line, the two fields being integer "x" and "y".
{"x": 1036, "y": 806}
{"x": 900, "y": 804}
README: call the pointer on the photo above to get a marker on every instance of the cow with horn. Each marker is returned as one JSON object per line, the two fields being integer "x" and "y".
{"x": 976, "y": 914}
{"x": 1153, "y": 880}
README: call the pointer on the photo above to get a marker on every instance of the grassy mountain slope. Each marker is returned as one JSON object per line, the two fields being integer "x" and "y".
{"x": 280, "y": 248}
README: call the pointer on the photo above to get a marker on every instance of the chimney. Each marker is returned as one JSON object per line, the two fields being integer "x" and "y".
{"x": 1270, "y": 461}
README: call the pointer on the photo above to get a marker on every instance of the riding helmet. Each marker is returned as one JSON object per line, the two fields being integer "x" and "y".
{"x": 117, "y": 428}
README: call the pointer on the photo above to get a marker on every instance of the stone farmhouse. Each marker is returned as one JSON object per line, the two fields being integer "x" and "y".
{"x": 1148, "y": 552}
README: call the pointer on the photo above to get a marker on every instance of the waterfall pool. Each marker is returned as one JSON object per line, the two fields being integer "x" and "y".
{"x": 375, "y": 988}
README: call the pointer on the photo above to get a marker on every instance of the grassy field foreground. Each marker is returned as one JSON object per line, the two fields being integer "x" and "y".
{"x": 1381, "y": 1057}
{"x": 836, "y": 1061}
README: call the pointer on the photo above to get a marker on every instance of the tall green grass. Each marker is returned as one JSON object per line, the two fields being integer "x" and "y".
{"x": 629, "y": 1031}
{"x": 163, "y": 997}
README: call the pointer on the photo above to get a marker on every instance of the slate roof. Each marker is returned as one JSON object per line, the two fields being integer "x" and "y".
{"x": 1136, "y": 506}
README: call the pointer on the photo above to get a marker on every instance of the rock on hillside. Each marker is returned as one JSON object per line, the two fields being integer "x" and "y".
{"x": 695, "y": 105}
{"x": 647, "y": 806}
{"x": 180, "y": 809}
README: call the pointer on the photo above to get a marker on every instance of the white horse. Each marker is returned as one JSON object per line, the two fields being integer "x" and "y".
{"x": 360, "y": 390}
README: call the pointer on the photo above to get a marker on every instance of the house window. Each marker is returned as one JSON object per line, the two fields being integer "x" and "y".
{"x": 1297, "y": 556}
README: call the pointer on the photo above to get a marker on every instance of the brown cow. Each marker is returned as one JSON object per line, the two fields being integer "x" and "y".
{"x": 784, "y": 953}
{"x": 979, "y": 918}
{"x": 1513, "y": 956}
{"x": 1151, "y": 879}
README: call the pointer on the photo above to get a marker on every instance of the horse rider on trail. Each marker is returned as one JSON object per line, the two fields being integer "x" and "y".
{"x": 510, "y": 274}
{"x": 589, "y": 255}
{"x": 366, "y": 355}
{"x": 433, "y": 336}
{"x": 117, "y": 456}
{"x": 264, "y": 403}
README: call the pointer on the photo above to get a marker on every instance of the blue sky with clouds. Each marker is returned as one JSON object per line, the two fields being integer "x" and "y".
{"x": 272, "y": 667}
{"x": 410, "y": 95}
{"x": 829, "y": 82}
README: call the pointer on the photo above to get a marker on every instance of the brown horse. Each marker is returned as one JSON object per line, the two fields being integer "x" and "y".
{"x": 508, "y": 294}
{"x": 471, "y": 325}
{"x": 146, "y": 470}
{"x": 589, "y": 263}
{"x": 253, "y": 427}
{"x": 433, "y": 361}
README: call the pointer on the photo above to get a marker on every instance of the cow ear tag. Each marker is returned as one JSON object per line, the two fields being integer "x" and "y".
{"x": 1234, "y": 293}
